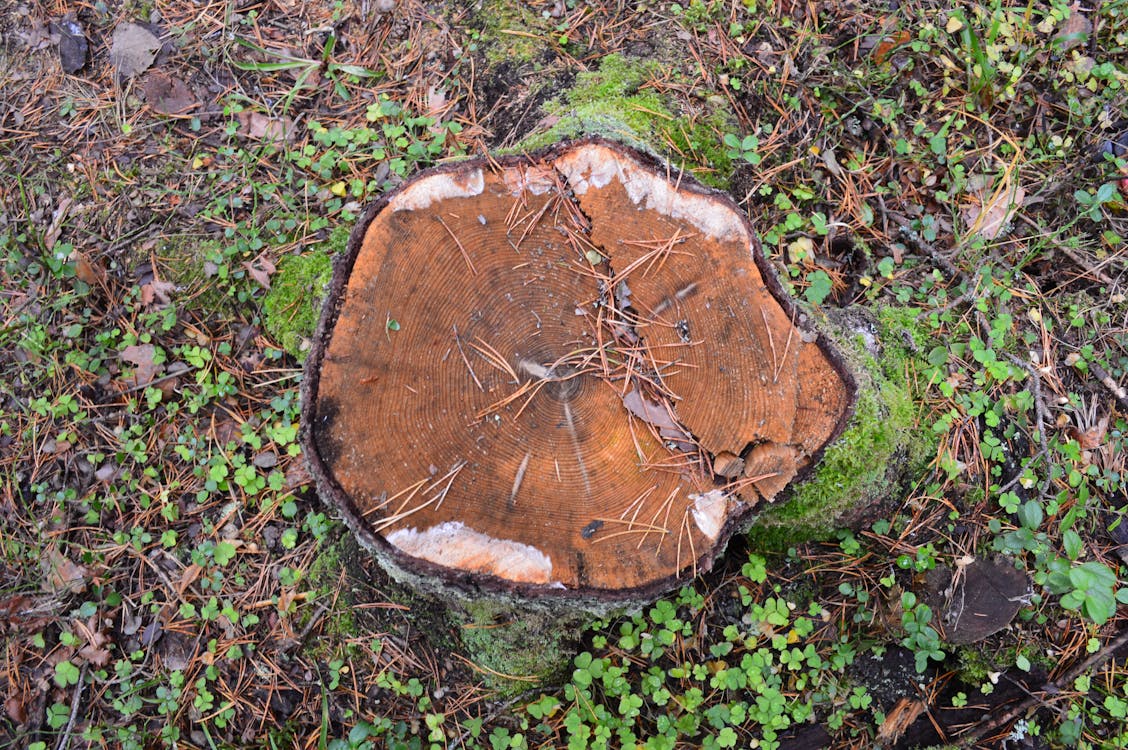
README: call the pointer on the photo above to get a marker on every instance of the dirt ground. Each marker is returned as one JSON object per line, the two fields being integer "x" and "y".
{"x": 175, "y": 177}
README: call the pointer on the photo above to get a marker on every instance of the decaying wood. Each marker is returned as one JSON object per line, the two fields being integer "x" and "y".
{"x": 590, "y": 381}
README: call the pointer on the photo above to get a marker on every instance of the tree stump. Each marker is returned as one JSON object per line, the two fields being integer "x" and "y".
{"x": 569, "y": 376}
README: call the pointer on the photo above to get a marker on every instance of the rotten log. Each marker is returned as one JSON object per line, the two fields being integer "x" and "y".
{"x": 571, "y": 374}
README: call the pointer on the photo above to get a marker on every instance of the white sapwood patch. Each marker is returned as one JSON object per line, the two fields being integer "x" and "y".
{"x": 454, "y": 545}
{"x": 437, "y": 188}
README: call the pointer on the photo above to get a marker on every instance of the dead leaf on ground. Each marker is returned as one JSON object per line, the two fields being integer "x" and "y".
{"x": 157, "y": 292}
{"x": 16, "y": 709}
{"x": 436, "y": 101}
{"x": 885, "y": 48}
{"x": 61, "y": 575}
{"x": 263, "y": 128}
{"x": 986, "y": 596}
{"x": 1074, "y": 30}
{"x": 95, "y": 651}
{"x": 133, "y": 49}
{"x": 168, "y": 94}
{"x": 1092, "y": 438}
{"x": 176, "y": 650}
{"x": 72, "y": 45}
{"x": 58, "y": 217}
{"x": 995, "y": 212}
{"x": 260, "y": 269}
{"x": 141, "y": 357}
{"x": 87, "y": 271}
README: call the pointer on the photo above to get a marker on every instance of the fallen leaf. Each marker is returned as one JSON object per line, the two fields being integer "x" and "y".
{"x": 141, "y": 357}
{"x": 436, "y": 101}
{"x": 72, "y": 46}
{"x": 86, "y": 271}
{"x": 263, "y": 128}
{"x": 1074, "y": 30}
{"x": 16, "y": 709}
{"x": 986, "y": 596}
{"x": 995, "y": 212}
{"x": 649, "y": 411}
{"x": 260, "y": 269}
{"x": 1092, "y": 438}
{"x": 883, "y": 50}
{"x": 133, "y": 49}
{"x": 157, "y": 291}
{"x": 60, "y": 575}
{"x": 167, "y": 94}
{"x": 58, "y": 216}
{"x": 95, "y": 651}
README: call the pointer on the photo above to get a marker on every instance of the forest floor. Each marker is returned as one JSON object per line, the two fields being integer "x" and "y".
{"x": 170, "y": 173}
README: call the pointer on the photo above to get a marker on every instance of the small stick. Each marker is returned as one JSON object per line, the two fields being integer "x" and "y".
{"x": 465, "y": 255}
{"x": 1093, "y": 661}
{"x": 771, "y": 344}
{"x": 518, "y": 479}
{"x": 467, "y": 361}
{"x": 491, "y": 355}
{"x": 1114, "y": 388}
{"x": 76, "y": 701}
{"x": 644, "y": 531}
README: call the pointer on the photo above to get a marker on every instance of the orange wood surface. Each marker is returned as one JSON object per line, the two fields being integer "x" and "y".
{"x": 566, "y": 371}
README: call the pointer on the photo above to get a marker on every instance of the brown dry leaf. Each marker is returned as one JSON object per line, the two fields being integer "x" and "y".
{"x": 58, "y": 216}
{"x": 141, "y": 357}
{"x": 436, "y": 101}
{"x": 649, "y": 411}
{"x": 60, "y": 575}
{"x": 1092, "y": 438}
{"x": 1074, "y": 30}
{"x": 883, "y": 50}
{"x": 995, "y": 212}
{"x": 263, "y": 128}
{"x": 16, "y": 709}
{"x": 95, "y": 651}
{"x": 158, "y": 292}
{"x": 188, "y": 577}
{"x": 133, "y": 49}
{"x": 260, "y": 269}
{"x": 86, "y": 271}
{"x": 167, "y": 94}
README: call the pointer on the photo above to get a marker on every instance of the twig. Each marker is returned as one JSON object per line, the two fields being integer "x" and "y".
{"x": 1114, "y": 388}
{"x": 1093, "y": 661}
{"x": 467, "y": 361}
{"x": 453, "y": 236}
{"x": 76, "y": 701}
{"x": 315, "y": 618}
{"x": 1039, "y": 420}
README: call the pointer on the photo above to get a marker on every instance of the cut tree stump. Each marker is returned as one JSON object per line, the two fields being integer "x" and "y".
{"x": 570, "y": 375}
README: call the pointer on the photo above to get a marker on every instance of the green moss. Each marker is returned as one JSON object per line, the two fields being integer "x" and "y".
{"x": 324, "y": 579}
{"x": 614, "y": 101}
{"x": 882, "y": 447}
{"x": 511, "y": 32}
{"x": 517, "y": 650}
{"x": 184, "y": 261}
{"x": 293, "y": 305}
